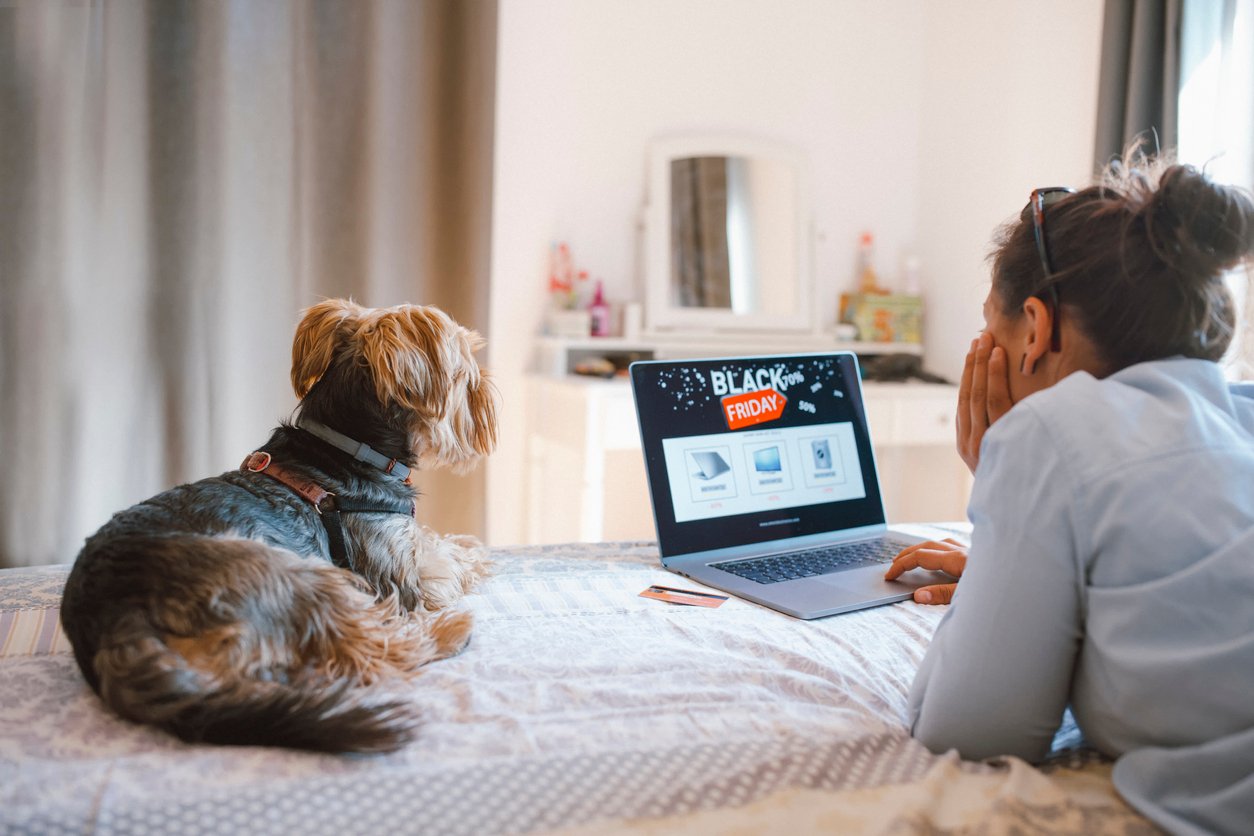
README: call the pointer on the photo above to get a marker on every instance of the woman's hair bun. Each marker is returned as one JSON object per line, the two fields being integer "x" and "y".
{"x": 1139, "y": 260}
{"x": 1197, "y": 227}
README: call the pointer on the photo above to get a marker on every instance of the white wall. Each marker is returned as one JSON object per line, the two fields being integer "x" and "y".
{"x": 1009, "y": 104}
{"x": 924, "y": 122}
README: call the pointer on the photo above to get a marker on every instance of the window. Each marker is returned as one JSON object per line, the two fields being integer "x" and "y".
{"x": 1216, "y": 121}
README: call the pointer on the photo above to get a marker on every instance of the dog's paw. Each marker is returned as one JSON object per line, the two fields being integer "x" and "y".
{"x": 440, "y": 593}
{"x": 471, "y": 557}
{"x": 477, "y": 565}
{"x": 448, "y": 567}
{"x": 451, "y": 633}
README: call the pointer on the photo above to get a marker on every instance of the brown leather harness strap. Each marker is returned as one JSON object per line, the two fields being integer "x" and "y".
{"x": 318, "y": 496}
{"x": 327, "y": 504}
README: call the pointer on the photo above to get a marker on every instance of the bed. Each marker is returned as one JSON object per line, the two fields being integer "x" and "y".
{"x": 578, "y": 707}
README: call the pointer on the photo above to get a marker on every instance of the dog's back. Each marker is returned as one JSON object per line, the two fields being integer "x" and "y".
{"x": 226, "y": 639}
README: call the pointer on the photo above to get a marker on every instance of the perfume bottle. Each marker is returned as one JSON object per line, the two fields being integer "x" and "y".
{"x": 599, "y": 312}
{"x": 868, "y": 280}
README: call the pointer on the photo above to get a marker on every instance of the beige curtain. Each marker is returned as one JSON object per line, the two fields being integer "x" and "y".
{"x": 179, "y": 179}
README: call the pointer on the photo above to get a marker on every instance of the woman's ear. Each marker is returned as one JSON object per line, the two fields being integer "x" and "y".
{"x": 1040, "y": 323}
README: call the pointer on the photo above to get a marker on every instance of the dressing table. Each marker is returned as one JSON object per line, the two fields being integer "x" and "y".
{"x": 728, "y": 245}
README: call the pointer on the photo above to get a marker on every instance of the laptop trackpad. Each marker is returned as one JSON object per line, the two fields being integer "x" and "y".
{"x": 873, "y": 577}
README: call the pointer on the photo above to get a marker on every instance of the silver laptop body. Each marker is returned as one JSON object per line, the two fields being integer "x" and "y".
{"x": 766, "y": 456}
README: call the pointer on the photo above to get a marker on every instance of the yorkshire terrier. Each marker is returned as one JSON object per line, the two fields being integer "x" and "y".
{"x": 276, "y": 604}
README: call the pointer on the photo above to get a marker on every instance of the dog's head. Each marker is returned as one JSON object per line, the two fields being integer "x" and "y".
{"x": 408, "y": 369}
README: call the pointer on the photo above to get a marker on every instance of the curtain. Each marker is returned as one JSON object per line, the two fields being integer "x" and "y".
{"x": 177, "y": 180}
{"x": 1139, "y": 76}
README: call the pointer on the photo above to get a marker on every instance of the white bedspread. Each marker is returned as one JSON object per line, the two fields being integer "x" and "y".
{"x": 578, "y": 706}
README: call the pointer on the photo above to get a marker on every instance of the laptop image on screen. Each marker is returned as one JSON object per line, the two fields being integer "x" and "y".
{"x": 763, "y": 481}
{"x": 710, "y": 465}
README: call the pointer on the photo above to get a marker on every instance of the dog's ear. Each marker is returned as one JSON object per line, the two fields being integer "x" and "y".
{"x": 466, "y": 428}
{"x": 477, "y": 428}
{"x": 411, "y": 356}
{"x": 322, "y": 329}
{"x": 482, "y": 403}
{"x": 423, "y": 361}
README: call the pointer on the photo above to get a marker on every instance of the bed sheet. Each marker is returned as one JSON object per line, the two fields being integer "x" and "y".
{"x": 578, "y": 706}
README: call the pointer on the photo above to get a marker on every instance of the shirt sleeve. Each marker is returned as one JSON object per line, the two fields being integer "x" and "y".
{"x": 997, "y": 676}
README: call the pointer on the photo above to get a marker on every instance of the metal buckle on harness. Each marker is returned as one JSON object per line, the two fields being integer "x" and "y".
{"x": 257, "y": 461}
{"x": 321, "y": 499}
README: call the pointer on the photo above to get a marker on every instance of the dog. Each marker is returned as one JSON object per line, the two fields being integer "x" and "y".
{"x": 284, "y": 603}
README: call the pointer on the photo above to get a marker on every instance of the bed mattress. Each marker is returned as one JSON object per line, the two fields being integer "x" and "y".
{"x": 578, "y": 706}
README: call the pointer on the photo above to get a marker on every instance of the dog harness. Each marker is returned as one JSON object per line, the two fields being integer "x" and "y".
{"x": 328, "y": 505}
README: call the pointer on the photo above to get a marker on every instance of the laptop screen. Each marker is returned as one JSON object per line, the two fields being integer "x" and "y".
{"x": 754, "y": 449}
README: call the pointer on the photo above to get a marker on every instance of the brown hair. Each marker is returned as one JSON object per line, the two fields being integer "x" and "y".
{"x": 1138, "y": 261}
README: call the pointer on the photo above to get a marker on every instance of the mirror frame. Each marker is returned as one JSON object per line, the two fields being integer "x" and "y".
{"x": 660, "y": 313}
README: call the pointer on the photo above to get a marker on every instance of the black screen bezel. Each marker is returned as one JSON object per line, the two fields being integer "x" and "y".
{"x": 676, "y": 538}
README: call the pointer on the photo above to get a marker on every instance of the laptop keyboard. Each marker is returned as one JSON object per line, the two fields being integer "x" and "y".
{"x": 805, "y": 564}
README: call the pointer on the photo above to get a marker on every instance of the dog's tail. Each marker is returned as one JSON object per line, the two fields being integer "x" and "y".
{"x": 242, "y": 643}
{"x": 155, "y": 686}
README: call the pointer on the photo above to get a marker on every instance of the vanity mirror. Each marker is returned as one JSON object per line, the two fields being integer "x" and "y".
{"x": 727, "y": 237}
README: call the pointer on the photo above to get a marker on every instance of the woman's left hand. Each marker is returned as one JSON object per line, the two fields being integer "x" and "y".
{"x": 948, "y": 556}
{"x": 983, "y": 396}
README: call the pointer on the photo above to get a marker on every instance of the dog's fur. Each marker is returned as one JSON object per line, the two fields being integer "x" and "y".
{"x": 212, "y": 610}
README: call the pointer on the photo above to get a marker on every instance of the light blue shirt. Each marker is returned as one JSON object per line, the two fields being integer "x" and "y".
{"x": 1111, "y": 569}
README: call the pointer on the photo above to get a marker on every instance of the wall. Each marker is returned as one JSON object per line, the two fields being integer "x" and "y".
{"x": 921, "y": 122}
{"x": 1009, "y": 104}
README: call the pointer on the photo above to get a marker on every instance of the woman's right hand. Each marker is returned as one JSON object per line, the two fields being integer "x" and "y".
{"x": 948, "y": 556}
{"x": 983, "y": 396}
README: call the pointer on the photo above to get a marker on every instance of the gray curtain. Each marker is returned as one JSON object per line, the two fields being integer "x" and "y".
{"x": 1139, "y": 82}
{"x": 178, "y": 180}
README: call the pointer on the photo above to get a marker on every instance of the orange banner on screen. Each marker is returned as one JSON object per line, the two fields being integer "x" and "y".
{"x": 753, "y": 408}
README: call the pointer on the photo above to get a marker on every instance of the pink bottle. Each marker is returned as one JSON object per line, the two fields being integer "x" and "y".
{"x": 599, "y": 312}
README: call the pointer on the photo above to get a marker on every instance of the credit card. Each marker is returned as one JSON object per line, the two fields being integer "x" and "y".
{"x": 686, "y": 597}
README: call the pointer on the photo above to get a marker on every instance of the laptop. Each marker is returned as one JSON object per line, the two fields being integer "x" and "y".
{"x": 763, "y": 481}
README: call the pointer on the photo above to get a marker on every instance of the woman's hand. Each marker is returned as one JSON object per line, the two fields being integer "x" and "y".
{"x": 983, "y": 396}
{"x": 949, "y": 556}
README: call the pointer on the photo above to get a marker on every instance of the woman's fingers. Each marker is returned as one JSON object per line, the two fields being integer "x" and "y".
{"x": 979, "y": 385}
{"x": 906, "y": 560}
{"x": 963, "y": 416}
{"x": 947, "y": 557}
{"x": 983, "y": 396}
{"x": 944, "y": 560}
{"x": 972, "y": 401}
{"x": 941, "y": 593}
{"x": 998, "y": 400}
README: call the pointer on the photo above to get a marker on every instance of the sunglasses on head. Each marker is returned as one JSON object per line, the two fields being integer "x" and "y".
{"x": 1037, "y": 203}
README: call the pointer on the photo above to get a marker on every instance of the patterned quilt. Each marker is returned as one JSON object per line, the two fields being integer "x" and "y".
{"x": 579, "y": 706}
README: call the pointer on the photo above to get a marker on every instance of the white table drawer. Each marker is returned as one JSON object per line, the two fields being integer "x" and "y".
{"x": 881, "y": 418}
{"x": 621, "y": 429}
{"x": 924, "y": 421}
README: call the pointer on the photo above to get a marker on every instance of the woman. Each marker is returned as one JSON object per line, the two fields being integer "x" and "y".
{"x": 1111, "y": 566}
